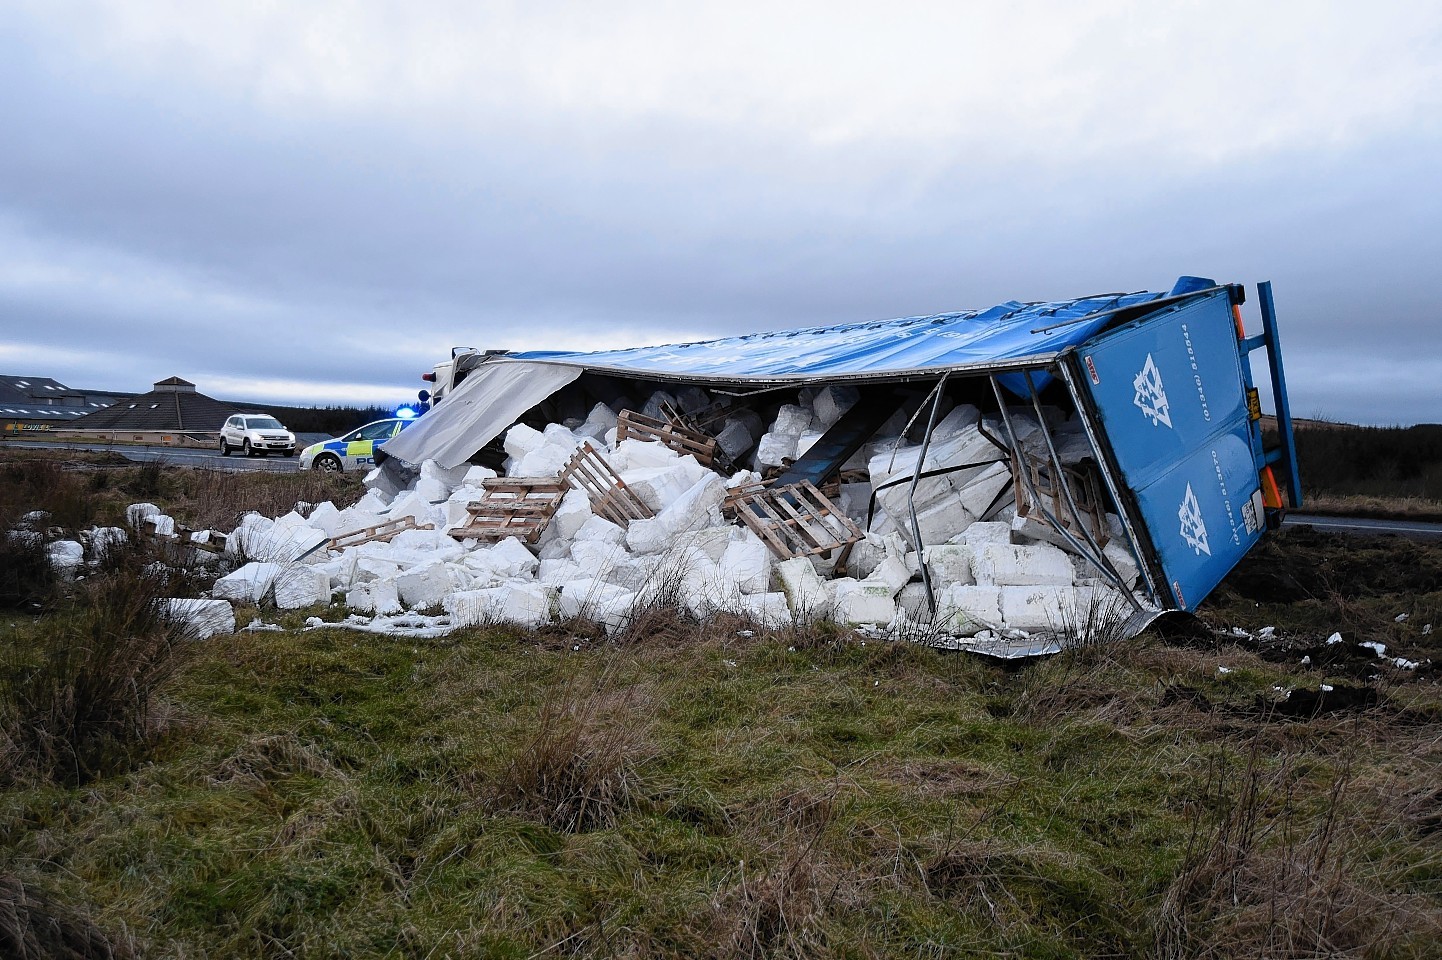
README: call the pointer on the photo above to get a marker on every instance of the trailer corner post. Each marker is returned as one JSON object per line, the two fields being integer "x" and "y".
{"x": 1288, "y": 452}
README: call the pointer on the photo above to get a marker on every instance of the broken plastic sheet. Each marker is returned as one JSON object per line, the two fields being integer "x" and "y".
{"x": 489, "y": 400}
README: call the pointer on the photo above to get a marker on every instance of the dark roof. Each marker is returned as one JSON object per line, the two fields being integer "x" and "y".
{"x": 47, "y": 400}
{"x": 174, "y": 382}
{"x": 164, "y": 410}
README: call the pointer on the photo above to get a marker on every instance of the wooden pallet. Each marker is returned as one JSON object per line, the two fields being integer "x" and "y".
{"x": 683, "y": 439}
{"x": 518, "y": 507}
{"x": 796, "y": 520}
{"x": 381, "y": 531}
{"x": 1085, "y": 489}
{"x": 610, "y": 498}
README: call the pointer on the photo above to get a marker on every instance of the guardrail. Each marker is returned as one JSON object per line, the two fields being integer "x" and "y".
{"x": 162, "y": 438}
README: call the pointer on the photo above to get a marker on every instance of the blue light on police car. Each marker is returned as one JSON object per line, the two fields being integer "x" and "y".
{"x": 406, "y": 413}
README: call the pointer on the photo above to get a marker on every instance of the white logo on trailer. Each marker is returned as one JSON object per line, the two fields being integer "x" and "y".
{"x": 1151, "y": 396}
{"x": 1194, "y": 528}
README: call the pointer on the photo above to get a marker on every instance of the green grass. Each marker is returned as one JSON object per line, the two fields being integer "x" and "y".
{"x": 334, "y": 794}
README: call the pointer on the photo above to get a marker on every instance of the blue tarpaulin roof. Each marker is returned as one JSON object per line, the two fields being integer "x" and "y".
{"x": 1006, "y": 333}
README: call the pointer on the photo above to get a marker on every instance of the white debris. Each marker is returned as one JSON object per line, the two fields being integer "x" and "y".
{"x": 65, "y": 555}
{"x": 137, "y": 512}
{"x": 1400, "y": 618}
{"x": 1007, "y": 564}
{"x": 201, "y": 618}
{"x": 248, "y": 584}
{"x": 856, "y": 602}
{"x": 1224, "y": 670}
{"x": 1334, "y": 638}
{"x": 301, "y": 586}
{"x": 1376, "y": 647}
{"x": 526, "y": 605}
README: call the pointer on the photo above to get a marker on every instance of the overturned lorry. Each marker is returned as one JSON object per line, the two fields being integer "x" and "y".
{"x": 947, "y": 461}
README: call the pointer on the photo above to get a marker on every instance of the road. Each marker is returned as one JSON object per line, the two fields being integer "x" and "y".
{"x": 1413, "y": 529}
{"x": 186, "y": 456}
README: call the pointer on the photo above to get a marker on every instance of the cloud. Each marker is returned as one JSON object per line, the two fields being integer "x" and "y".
{"x": 335, "y": 194}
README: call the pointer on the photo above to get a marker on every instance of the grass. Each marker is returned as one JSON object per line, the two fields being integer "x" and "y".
{"x": 722, "y": 790}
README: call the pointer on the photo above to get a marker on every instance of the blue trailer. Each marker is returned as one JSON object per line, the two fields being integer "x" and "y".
{"x": 1162, "y": 382}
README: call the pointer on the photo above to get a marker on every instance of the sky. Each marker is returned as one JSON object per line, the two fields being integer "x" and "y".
{"x": 312, "y": 203}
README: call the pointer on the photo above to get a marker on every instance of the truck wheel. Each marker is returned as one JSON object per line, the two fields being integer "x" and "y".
{"x": 326, "y": 463}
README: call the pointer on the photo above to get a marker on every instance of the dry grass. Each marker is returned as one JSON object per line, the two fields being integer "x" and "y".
{"x": 80, "y": 697}
{"x": 35, "y": 927}
{"x": 579, "y": 768}
{"x": 1263, "y": 875}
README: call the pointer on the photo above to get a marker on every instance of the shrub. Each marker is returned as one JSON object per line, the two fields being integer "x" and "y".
{"x": 78, "y": 693}
{"x": 26, "y": 577}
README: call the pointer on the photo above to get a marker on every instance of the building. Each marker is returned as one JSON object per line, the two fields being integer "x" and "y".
{"x": 173, "y": 404}
{"x": 37, "y": 404}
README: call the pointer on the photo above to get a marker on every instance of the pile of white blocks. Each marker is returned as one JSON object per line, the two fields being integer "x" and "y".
{"x": 990, "y": 571}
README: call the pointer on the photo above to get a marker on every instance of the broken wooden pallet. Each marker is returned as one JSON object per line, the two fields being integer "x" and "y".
{"x": 379, "y": 531}
{"x": 610, "y": 498}
{"x": 796, "y": 520}
{"x": 518, "y": 507}
{"x": 682, "y": 439}
{"x": 1085, "y": 489}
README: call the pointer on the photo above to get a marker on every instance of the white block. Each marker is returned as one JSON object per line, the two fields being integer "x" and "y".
{"x": 633, "y": 454}
{"x": 978, "y": 495}
{"x": 248, "y": 584}
{"x": 301, "y": 586}
{"x": 599, "y": 530}
{"x": 855, "y": 601}
{"x": 956, "y": 422}
{"x": 366, "y": 568}
{"x": 647, "y": 536}
{"x": 587, "y": 597}
{"x": 1038, "y": 607}
{"x": 602, "y": 416}
{"x": 805, "y": 590}
{"x": 201, "y": 618}
{"x": 734, "y": 439}
{"x": 160, "y": 524}
{"x": 833, "y": 401}
{"x": 554, "y": 549}
{"x": 476, "y": 476}
{"x": 747, "y": 562}
{"x": 574, "y": 511}
{"x": 65, "y": 555}
{"x": 692, "y": 509}
{"x": 791, "y": 420}
{"x": 1005, "y": 564}
{"x": 596, "y": 557}
{"x": 912, "y": 602}
{"x": 104, "y": 539}
{"x": 425, "y": 585}
{"x": 658, "y": 487}
{"x": 432, "y": 490}
{"x": 938, "y": 523}
{"x": 521, "y": 440}
{"x": 965, "y": 609}
{"x": 377, "y": 596}
{"x": 766, "y": 609}
{"x": 325, "y": 516}
{"x": 558, "y": 573}
{"x": 657, "y": 405}
{"x": 526, "y": 605}
{"x": 948, "y": 563}
{"x": 984, "y": 532}
{"x": 776, "y": 447}
{"x": 449, "y": 477}
{"x": 890, "y": 574}
{"x": 510, "y": 558}
{"x": 137, "y": 512}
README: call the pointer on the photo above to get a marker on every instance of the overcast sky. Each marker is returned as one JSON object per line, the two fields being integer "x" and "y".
{"x": 313, "y": 202}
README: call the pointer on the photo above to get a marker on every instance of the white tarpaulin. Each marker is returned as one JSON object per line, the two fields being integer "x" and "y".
{"x": 489, "y": 400}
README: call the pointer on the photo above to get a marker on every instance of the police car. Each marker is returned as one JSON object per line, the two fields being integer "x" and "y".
{"x": 354, "y": 451}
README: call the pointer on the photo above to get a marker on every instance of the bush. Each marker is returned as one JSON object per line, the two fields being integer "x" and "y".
{"x": 27, "y": 579}
{"x": 78, "y": 693}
